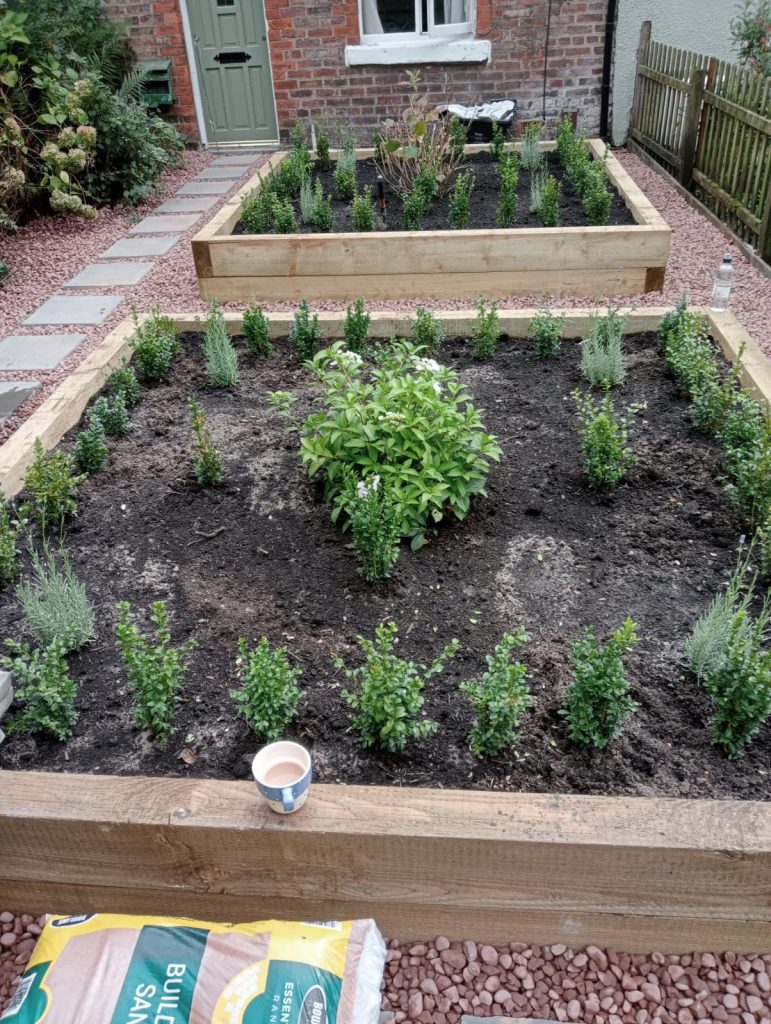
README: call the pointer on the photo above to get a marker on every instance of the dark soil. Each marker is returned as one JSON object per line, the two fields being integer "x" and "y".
{"x": 483, "y": 203}
{"x": 259, "y": 555}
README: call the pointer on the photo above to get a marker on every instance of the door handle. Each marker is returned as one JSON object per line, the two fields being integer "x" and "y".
{"x": 226, "y": 57}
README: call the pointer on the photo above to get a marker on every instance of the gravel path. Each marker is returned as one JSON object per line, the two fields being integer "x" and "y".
{"x": 437, "y": 982}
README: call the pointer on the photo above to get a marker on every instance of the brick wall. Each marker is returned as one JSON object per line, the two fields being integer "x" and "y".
{"x": 308, "y": 37}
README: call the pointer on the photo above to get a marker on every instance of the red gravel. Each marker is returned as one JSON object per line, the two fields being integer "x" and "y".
{"x": 436, "y": 982}
{"x": 49, "y": 252}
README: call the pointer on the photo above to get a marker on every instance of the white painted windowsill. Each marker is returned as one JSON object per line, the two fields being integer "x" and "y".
{"x": 433, "y": 51}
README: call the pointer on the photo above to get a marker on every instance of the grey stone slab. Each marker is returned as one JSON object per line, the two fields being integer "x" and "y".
{"x": 13, "y": 393}
{"x": 164, "y": 224}
{"x": 148, "y": 245}
{"x": 386, "y": 1017}
{"x": 74, "y": 309}
{"x": 193, "y": 204}
{"x": 109, "y": 275}
{"x": 221, "y": 171}
{"x": 236, "y": 160}
{"x": 204, "y": 188}
{"x": 36, "y": 351}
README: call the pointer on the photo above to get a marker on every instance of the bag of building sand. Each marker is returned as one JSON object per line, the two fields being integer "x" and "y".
{"x": 119, "y": 969}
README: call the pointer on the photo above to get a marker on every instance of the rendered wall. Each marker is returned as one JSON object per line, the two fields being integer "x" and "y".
{"x": 700, "y": 25}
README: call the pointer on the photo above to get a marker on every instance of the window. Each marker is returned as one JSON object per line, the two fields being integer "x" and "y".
{"x": 417, "y": 31}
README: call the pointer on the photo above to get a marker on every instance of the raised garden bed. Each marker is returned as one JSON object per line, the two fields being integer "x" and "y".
{"x": 620, "y": 258}
{"x": 634, "y": 873}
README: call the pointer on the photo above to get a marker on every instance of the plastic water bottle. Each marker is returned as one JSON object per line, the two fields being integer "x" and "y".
{"x": 721, "y": 289}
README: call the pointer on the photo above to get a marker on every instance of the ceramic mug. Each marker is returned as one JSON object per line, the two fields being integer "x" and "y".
{"x": 283, "y": 775}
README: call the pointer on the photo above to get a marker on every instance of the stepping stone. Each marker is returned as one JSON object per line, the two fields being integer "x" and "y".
{"x": 204, "y": 188}
{"x": 163, "y": 225}
{"x": 36, "y": 351}
{"x": 109, "y": 275}
{"x": 13, "y": 393}
{"x": 221, "y": 171}
{"x": 237, "y": 160}
{"x": 74, "y": 309}
{"x": 194, "y": 204}
{"x": 150, "y": 245}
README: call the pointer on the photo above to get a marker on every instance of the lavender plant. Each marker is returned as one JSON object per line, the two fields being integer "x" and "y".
{"x": 221, "y": 358}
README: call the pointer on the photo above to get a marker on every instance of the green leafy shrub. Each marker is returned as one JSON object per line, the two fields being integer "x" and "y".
{"x": 602, "y": 353}
{"x": 363, "y": 211}
{"x": 427, "y": 184}
{"x": 751, "y": 35}
{"x": 508, "y": 174}
{"x": 356, "y": 327}
{"x": 764, "y": 545}
{"x": 388, "y": 698}
{"x": 498, "y": 142}
{"x": 268, "y": 695}
{"x": 427, "y": 331}
{"x": 284, "y": 220}
{"x": 5, "y": 270}
{"x": 256, "y": 328}
{"x": 374, "y": 518}
{"x": 413, "y": 210}
{"x": 409, "y": 420}
{"x": 257, "y": 208}
{"x": 55, "y": 603}
{"x": 155, "y": 343}
{"x": 689, "y": 355}
{"x": 706, "y": 648}
{"x": 549, "y": 208}
{"x": 458, "y": 135}
{"x": 207, "y": 464}
{"x": 91, "y": 450}
{"x": 43, "y": 688}
{"x": 322, "y": 216}
{"x": 112, "y": 414}
{"x": 487, "y": 331}
{"x": 304, "y": 332}
{"x": 10, "y": 528}
{"x": 460, "y": 200}
{"x": 748, "y": 474}
{"x": 219, "y": 353}
{"x": 604, "y": 440}
{"x": 531, "y": 155}
{"x": 598, "y": 700}
{"x": 123, "y": 383}
{"x": 155, "y": 669}
{"x": 597, "y": 197}
{"x": 52, "y": 485}
{"x": 499, "y": 698}
{"x": 545, "y": 328}
{"x": 322, "y": 151}
{"x": 345, "y": 184}
{"x": 290, "y": 174}
{"x": 713, "y": 399}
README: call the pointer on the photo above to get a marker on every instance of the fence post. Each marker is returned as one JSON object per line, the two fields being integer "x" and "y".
{"x": 691, "y": 121}
{"x": 764, "y": 234}
{"x": 645, "y": 38}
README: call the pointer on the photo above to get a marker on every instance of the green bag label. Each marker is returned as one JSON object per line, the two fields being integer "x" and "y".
{"x": 161, "y": 978}
{"x": 295, "y": 994}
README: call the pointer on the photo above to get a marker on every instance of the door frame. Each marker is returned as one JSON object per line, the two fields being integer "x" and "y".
{"x": 200, "y": 113}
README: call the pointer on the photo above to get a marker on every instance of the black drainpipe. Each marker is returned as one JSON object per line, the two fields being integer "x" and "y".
{"x": 607, "y": 68}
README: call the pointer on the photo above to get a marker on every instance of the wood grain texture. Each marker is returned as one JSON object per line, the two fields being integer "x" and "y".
{"x": 483, "y": 865}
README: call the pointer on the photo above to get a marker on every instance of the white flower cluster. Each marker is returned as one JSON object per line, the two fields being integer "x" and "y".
{"x": 345, "y": 359}
{"x": 430, "y": 365}
{"x": 362, "y": 491}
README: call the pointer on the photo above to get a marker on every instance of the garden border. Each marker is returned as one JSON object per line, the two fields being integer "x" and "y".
{"x": 579, "y": 261}
{"x": 635, "y": 873}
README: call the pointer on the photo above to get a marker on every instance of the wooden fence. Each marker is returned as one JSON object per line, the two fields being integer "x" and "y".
{"x": 709, "y": 123}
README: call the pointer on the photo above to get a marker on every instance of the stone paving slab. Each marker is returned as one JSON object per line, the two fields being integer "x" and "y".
{"x": 36, "y": 351}
{"x": 193, "y": 204}
{"x": 74, "y": 309}
{"x": 221, "y": 171}
{"x": 236, "y": 160}
{"x": 13, "y": 393}
{"x": 109, "y": 275}
{"x": 164, "y": 224}
{"x": 204, "y": 188}
{"x": 149, "y": 245}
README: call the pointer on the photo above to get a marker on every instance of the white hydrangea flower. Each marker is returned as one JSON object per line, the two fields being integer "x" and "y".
{"x": 361, "y": 489}
{"x": 375, "y": 481}
{"x": 437, "y": 387}
{"x": 430, "y": 365}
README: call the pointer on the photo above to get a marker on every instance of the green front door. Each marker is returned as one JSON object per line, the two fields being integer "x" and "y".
{"x": 230, "y": 39}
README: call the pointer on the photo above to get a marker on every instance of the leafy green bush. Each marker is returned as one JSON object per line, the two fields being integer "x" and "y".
{"x": 388, "y": 697}
{"x": 269, "y": 694}
{"x": 751, "y": 34}
{"x": 427, "y": 331}
{"x": 363, "y": 211}
{"x": 499, "y": 698}
{"x": 689, "y": 355}
{"x": 43, "y": 688}
{"x": 604, "y": 440}
{"x": 413, "y": 210}
{"x": 748, "y": 474}
{"x": 257, "y": 208}
{"x": 304, "y": 332}
{"x": 256, "y": 328}
{"x": 356, "y": 327}
{"x": 219, "y": 353}
{"x": 10, "y": 528}
{"x": 458, "y": 135}
{"x": 508, "y": 174}
{"x": 498, "y": 142}
{"x": 597, "y": 197}
{"x": 52, "y": 484}
{"x": 345, "y": 184}
{"x": 549, "y": 208}
{"x": 112, "y": 414}
{"x": 602, "y": 353}
{"x": 123, "y": 382}
{"x": 207, "y": 464}
{"x": 460, "y": 200}
{"x": 374, "y": 518}
{"x": 284, "y": 220}
{"x": 487, "y": 331}
{"x": 598, "y": 700}
{"x": 90, "y": 451}
{"x": 408, "y": 420}
{"x": 155, "y": 668}
{"x": 55, "y": 603}
{"x": 322, "y": 151}
{"x": 545, "y": 328}
{"x": 427, "y": 184}
{"x": 288, "y": 177}
{"x": 155, "y": 344}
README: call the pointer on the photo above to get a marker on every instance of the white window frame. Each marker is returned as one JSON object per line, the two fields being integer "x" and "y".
{"x": 448, "y": 44}
{"x": 433, "y": 31}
